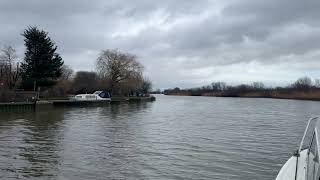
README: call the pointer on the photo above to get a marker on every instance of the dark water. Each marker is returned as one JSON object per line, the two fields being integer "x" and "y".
{"x": 172, "y": 138}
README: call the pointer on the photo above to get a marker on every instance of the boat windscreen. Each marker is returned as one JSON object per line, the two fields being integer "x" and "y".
{"x": 97, "y": 92}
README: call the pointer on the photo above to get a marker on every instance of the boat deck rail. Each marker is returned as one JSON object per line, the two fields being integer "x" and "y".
{"x": 310, "y": 141}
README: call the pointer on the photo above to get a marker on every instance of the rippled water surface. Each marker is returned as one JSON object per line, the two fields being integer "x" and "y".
{"x": 172, "y": 138}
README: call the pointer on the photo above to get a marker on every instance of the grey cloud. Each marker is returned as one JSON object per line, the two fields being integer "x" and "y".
{"x": 185, "y": 41}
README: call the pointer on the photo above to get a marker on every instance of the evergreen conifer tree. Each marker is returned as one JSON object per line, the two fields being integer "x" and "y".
{"x": 42, "y": 65}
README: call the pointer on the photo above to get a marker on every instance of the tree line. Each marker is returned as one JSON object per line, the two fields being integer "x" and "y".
{"x": 42, "y": 69}
{"x": 303, "y": 84}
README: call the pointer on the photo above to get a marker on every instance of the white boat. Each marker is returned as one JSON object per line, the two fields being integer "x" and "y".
{"x": 304, "y": 164}
{"x": 96, "y": 96}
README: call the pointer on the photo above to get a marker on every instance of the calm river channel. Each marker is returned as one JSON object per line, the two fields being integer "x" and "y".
{"x": 171, "y": 138}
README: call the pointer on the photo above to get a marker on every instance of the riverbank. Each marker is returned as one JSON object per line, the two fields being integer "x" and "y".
{"x": 49, "y": 104}
{"x": 313, "y": 94}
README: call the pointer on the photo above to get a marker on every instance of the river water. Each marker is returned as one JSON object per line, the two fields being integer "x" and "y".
{"x": 171, "y": 138}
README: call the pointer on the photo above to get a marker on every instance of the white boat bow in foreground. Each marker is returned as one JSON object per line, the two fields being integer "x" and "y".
{"x": 304, "y": 164}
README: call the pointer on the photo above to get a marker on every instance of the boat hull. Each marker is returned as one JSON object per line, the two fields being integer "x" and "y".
{"x": 288, "y": 170}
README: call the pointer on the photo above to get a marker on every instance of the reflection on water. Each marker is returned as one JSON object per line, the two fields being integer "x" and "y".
{"x": 29, "y": 144}
{"x": 172, "y": 138}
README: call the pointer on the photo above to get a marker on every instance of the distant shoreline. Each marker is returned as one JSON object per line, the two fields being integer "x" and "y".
{"x": 294, "y": 95}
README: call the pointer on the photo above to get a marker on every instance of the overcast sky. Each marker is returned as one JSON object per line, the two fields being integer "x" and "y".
{"x": 183, "y": 43}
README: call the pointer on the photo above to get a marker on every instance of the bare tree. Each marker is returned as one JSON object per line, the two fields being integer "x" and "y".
{"x": 219, "y": 86}
{"x": 118, "y": 67}
{"x": 317, "y": 83}
{"x": 129, "y": 86}
{"x": 8, "y": 55}
{"x": 146, "y": 86}
{"x": 64, "y": 83}
{"x": 258, "y": 85}
{"x": 9, "y": 68}
{"x": 67, "y": 73}
{"x": 303, "y": 83}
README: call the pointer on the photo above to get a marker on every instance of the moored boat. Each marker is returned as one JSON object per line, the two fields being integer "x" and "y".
{"x": 96, "y": 96}
{"x": 304, "y": 164}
